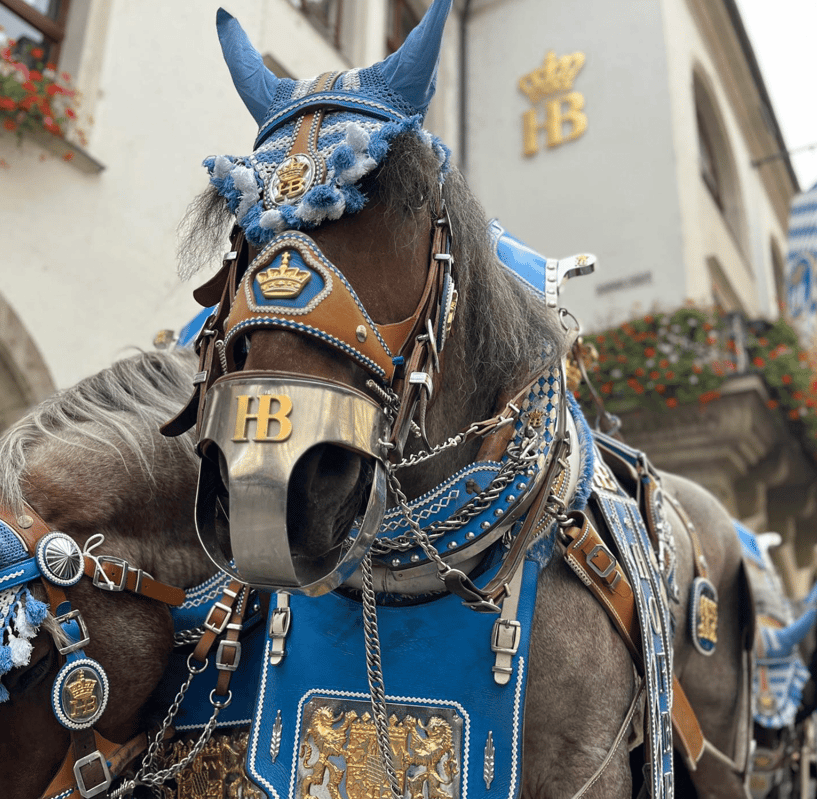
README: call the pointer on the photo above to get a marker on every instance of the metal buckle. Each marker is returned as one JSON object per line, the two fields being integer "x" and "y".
{"x": 280, "y": 621}
{"x": 505, "y": 636}
{"x": 94, "y": 790}
{"x": 610, "y": 567}
{"x": 220, "y": 651}
{"x": 422, "y": 379}
{"x": 219, "y": 628}
{"x": 103, "y": 581}
{"x": 84, "y": 638}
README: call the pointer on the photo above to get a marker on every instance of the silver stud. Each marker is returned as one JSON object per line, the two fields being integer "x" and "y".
{"x": 485, "y": 525}
{"x": 521, "y": 486}
{"x": 498, "y": 512}
{"x": 361, "y": 333}
{"x": 395, "y": 562}
{"x": 415, "y": 558}
{"x": 470, "y": 535}
{"x": 511, "y": 498}
{"x": 452, "y": 544}
{"x": 25, "y": 522}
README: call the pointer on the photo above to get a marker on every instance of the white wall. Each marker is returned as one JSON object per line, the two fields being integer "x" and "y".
{"x": 89, "y": 260}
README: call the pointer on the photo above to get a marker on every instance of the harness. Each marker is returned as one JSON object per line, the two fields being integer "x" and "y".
{"x": 80, "y": 693}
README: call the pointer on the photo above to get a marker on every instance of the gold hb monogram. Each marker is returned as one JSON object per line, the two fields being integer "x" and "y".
{"x": 708, "y": 623}
{"x": 263, "y": 417}
{"x": 554, "y": 77}
{"x": 84, "y": 701}
{"x": 292, "y": 180}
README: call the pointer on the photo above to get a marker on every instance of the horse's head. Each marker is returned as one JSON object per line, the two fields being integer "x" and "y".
{"x": 333, "y": 352}
{"x": 90, "y": 461}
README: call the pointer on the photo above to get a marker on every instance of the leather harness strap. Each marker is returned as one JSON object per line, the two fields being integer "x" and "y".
{"x": 596, "y": 566}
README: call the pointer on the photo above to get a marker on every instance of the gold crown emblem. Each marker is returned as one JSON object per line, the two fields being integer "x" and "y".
{"x": 555, "y": 75}
{"x": 284, "y": 281}
{"x": 83, "y": 697}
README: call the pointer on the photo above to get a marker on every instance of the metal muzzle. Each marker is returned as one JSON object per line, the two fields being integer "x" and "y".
{"x": 254, "y": 431}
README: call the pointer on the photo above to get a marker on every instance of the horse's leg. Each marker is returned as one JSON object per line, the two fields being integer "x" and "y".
{"x": 715, "y": 684}
{"x": 580, "y": 687}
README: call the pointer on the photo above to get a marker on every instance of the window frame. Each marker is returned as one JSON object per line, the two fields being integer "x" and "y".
{"x": 333, "y": 36}
{"x": 394, "y": 37}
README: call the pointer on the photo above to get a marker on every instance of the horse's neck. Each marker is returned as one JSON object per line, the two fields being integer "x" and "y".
{"x": 148, "y": 522}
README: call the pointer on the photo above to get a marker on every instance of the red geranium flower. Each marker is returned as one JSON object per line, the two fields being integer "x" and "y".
{"x": 38, "y": 52}
{"x": 9, "y": 124}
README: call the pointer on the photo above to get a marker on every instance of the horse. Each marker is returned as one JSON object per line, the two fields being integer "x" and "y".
{"x": 780, "y": 676}
{"x": 90, "y": 462}
{"x": 367, "y": 347}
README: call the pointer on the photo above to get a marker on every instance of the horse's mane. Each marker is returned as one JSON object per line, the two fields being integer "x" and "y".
{"x": 120, "y": 408}
{"x": 511, "y": 334}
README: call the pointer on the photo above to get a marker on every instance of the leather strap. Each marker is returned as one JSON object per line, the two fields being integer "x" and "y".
{"x": 597, "y": 567}
{"x": 125, "y": 578}
{"x": 217, "y": 620}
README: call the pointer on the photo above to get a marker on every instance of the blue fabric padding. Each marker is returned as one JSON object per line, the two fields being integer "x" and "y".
{"x": 11, "y": 548}
{"x": 527, "y": 264}
{"x": 435, "y": 655}
{"x": 751, "y": 549}
{"x": 187, "y": 335}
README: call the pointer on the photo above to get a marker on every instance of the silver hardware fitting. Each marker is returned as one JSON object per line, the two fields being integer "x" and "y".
{"x": 279, "y": 625}
{"x": 609, "y": 569}
{"x": 85, "y": 790}
{"x": 84, "y": 638}
{"x": 110, "y": 585}
{"x": 230, "y": 256}
{"x": 199, "y": 377}
{"x": 219, "y": 627}
{"x": 222, "y": 647}
{"x": 505, "y": 640}
{"x": 423, "y": 379}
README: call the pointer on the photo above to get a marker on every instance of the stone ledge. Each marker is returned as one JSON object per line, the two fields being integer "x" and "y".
{"x": 63, "y": 149}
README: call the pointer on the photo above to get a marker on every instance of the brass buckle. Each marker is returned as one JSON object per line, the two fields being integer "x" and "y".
{"x": 85, "y": 790}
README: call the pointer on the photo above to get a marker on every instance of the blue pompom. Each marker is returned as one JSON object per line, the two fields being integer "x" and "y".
{"x": 5, "y": 659}
{"x": 355, "y": 199}
{"x": 322, "y": 196}
{"x": 36, "y": 611}
{"x": 4, "y": 694}
{"x": 343, "y": 158}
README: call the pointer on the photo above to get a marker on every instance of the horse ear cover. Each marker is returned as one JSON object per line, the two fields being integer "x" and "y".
{"x": 365, "y": 110}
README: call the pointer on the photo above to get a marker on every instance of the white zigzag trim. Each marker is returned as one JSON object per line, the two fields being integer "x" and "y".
{"x": 12, "y": 575}
{"x": 517, "y": 723}
{"x": 256, "y": 728}
{"x": 435, "y": 507}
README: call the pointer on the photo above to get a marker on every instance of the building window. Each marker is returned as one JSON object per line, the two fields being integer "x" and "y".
{"x": 403, "y": 18}
{"x": 708, "y": 163}
{"x": 36, "y": 26}
{"x": 325, "y": 16}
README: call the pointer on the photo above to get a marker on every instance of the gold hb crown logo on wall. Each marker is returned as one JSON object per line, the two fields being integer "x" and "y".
{"x": 283, "y": 281}
{"x": 554, "y": 77}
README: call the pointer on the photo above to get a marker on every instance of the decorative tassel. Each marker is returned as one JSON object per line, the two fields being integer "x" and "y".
{"x": 6, "y": 662}
{"x": 20, "y": 650}
{"x": 36, "y": 611}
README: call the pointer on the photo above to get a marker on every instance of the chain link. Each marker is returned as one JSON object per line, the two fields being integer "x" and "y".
{"x": 374, "y": 672}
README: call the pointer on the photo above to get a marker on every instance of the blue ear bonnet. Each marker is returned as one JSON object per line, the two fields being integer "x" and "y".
{"x": 364, "y": 110}
{"x": 20, "y": 612}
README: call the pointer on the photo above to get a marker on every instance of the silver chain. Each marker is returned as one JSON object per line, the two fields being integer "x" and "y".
{"x": 374, "y": 672}
{"x": 163, "y": 775}
{"x": 187, "y": 637}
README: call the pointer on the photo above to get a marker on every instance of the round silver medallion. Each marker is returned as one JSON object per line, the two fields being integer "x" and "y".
{"x": 80, "y": 694}
{"x": 293, "y": 178}
{"x": 60, "y": 559}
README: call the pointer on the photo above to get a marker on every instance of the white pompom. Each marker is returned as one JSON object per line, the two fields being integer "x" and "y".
{"x": 20, "y": 650}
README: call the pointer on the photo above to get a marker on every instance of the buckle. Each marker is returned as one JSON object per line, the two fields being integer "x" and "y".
{"x": 280, "y": 621}
{"x": 87, "y": 791}
{"x": 219, "y": 627}
{"x": 220, "y": 664}
{"x": 609, "y": 569}
{"x": 505, "y": 636}
{"x": 103, "y": 581}
{"x": 82, "y": 640}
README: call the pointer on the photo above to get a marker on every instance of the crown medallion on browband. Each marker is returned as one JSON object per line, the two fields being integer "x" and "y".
{"x": 318, "y": 138}
{"x": 283, "y": 281}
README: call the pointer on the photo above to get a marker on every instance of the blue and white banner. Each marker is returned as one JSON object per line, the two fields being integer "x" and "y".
{"x": 801, "y": 265}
